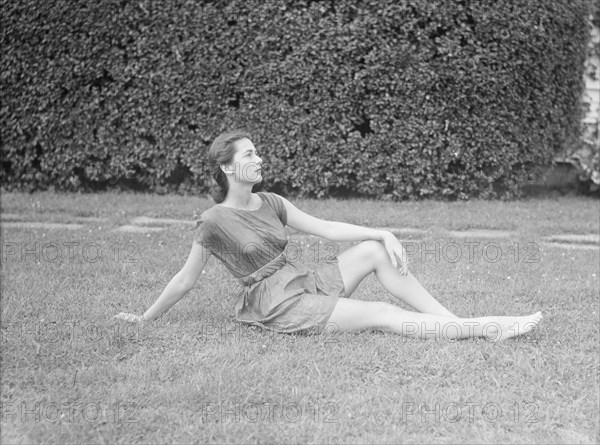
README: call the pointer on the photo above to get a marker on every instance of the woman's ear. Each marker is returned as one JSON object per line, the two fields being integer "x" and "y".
{"x": 224, "y": 169}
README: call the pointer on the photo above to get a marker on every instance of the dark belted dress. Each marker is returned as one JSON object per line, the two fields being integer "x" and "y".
{"x": 279, "y": 293}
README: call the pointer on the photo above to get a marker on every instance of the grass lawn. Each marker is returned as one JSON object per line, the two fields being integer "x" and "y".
{"x": 73, "y": 374}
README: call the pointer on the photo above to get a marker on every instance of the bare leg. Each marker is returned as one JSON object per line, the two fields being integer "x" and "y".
{"x": 351, "y": 315}
{"x": 358, "y": 261}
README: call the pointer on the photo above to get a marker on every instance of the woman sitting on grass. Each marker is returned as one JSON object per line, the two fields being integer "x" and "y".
{"x": 246, "y": 232}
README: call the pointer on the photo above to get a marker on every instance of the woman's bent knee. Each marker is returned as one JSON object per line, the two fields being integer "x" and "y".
{"x": 375, "y": 251}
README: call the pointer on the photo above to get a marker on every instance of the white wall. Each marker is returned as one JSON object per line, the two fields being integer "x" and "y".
{"x": 592, "y": 83}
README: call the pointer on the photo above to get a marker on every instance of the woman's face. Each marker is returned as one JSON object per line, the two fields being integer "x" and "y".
{"x": 246, "y": 165}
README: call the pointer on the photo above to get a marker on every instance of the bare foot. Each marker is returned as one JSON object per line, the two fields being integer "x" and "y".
{"x": 501, "y": 328}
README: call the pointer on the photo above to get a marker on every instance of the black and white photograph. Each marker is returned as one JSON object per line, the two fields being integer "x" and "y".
{"x": 300, "y": 222}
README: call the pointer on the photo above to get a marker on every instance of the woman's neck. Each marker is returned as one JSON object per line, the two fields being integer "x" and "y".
{"x": 239, "y": 200}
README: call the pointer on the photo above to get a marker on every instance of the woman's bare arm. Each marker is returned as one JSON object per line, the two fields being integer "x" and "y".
{"x": 339, "y": 231}
{"x": 177, "y": 288}
{"x": 331, "y": 230}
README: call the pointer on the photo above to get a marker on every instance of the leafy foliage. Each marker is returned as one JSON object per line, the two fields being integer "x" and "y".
{"x": 383, "y": 99}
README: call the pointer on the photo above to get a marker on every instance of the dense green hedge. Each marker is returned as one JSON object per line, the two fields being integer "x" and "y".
{"x": 375, "y": 98}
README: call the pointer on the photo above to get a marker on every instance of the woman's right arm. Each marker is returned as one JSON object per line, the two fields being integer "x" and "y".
{"x": 178, "y": 287}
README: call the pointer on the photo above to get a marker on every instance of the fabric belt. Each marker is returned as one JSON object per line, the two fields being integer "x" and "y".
{"x": 266, "y": 271}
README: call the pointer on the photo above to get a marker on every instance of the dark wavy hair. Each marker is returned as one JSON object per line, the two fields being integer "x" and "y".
{"x": 221, "y": 152}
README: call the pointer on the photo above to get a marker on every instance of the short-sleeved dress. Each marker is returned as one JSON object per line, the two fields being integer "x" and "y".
{"x": 279, "y": 293}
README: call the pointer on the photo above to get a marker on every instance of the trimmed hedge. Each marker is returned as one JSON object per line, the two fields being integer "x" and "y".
{"x": 384, "y": 99}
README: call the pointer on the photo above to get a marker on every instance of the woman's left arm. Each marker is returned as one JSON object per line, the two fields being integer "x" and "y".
{"x": 339, "y": 231}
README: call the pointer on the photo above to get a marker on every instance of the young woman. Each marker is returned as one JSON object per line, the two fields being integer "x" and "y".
{"x": 246, "y": 232}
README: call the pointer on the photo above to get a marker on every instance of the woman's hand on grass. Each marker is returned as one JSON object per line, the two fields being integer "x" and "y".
{"x": 132, "y": 318}
{"x": 396, "y": 251}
